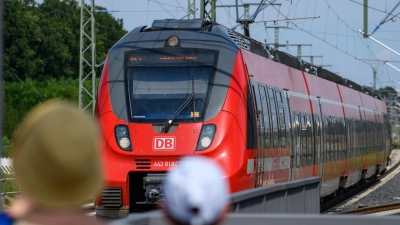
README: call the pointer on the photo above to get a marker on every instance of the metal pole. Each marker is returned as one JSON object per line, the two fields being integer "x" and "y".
{"x": 191, "y": 9}
{"x": 93, "y": 58}
{"x": 365, "y": 18}
{"x": 299, "y": 51}
{"x": 87, "y": 58}
{"x": 207, "y": 10}
{"x": 374, "y": 79}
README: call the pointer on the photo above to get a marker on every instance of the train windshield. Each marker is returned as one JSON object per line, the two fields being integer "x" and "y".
{"x": 169, "y": 85}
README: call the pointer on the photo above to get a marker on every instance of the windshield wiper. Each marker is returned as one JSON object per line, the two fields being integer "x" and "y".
{"x": 165, "y": 128}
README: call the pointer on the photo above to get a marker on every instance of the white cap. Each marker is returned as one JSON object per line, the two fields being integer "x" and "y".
{"x": 195, "y": 191}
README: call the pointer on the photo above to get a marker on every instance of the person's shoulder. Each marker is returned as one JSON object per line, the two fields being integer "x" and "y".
{"x": 5, "y": 218}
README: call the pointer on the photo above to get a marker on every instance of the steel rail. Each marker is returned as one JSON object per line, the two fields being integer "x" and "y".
{"x": 372, "y": 209}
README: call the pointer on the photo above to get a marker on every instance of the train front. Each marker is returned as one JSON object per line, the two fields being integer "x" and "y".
{"x": 161, "y": 96}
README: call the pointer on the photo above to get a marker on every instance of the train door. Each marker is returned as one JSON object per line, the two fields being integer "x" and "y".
{"x": 262, "y": 118}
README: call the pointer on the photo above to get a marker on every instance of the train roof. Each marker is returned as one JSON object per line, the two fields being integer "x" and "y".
{"x": 258, "y": 48}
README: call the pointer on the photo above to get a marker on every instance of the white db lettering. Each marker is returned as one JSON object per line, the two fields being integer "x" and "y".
{"x": 163, "y": 143}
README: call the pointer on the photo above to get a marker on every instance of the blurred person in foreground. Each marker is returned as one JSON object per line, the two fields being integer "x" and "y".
{"x": 57, "y": 165}
{"x": 196, "y": 192}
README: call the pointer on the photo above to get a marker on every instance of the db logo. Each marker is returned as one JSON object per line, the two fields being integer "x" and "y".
{"x": 164, "y": 143}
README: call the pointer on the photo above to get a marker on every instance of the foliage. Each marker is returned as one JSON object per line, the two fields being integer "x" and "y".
{"x": 42, "y": 51}
{"x": 5, "y": 147}
{"x": 20, "y": 97}
{"x": 387, "y": 92}
{"x": 43, "y": 40}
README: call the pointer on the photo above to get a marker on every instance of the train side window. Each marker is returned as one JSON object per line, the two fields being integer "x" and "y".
{"x": 343, "y": 134}
{"x": 318, "y": 140}
{"x": 355, "y": 137}
{"x": 334, "y": 142}
{"x": 367, "y": 136}
{"x": 278, "y": 95}
{"x": 353, "y": 143}
{"x": 296, "y": 141}
{"x": 282, "y": 126}
{"x": 331, "y": 139}
{"x": 327, "y": 141}
{"x": 372, "y": 136}
{"x": 360, "y": 145}
{"x": 251, "y": 119}
{"x": 303, "y": 135}
{"x": 274, "y": 120}
{"x": 348, "y": 138}
{"x": 340, "y": 138}
{"x": 310, "y": 146}
{"x": 266, "y": 118}
{"x": 258, "y": 104}
{"x": 364, "y": 136}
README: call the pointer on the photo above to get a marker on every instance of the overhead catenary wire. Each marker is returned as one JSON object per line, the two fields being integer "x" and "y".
{"x": 373, "y": 8}
{"x": 384, "y": 20}
{"x": 324, "y": 40}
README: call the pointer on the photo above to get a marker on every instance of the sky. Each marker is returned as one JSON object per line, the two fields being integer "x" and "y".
{"x": 326, "y": 29}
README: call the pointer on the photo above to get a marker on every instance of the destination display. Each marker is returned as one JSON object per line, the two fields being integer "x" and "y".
{"x": 154, "y": 58}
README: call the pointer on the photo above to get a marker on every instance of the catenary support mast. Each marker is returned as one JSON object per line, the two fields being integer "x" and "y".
{"x": 87, "y": 58}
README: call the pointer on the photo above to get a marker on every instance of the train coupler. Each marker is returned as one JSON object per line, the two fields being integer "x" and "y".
{"x": 152, "y": 183}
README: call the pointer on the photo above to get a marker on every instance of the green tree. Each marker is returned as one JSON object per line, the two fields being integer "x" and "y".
{"x": 387, "y": 92}
{"x": 20, "y": 97}
{"x": 42, "y": 40}
{"x": 22, "y": 38}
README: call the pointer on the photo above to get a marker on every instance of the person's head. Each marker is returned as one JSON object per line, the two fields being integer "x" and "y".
{"x": 56, "y": 156}
{"x": 196, "y": 192}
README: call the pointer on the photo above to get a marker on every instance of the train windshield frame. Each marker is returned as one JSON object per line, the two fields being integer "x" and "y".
{"x": 169, "y": 83}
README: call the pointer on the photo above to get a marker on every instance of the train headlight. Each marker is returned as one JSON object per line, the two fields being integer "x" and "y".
{"x": 206, "y": 136}
{"x": 172, "y": 41}
{"x": 124, "y": 142}
{"x": 122, "y": 137}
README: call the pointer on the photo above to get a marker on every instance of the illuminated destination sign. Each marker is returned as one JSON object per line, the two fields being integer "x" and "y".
{"x": 139, "y": 58}
{"x": 189, "y": 57}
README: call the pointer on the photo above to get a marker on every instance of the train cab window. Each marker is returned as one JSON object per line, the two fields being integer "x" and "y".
{"x": 162, "y": 85}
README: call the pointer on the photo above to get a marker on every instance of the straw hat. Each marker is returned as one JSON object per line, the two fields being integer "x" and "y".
{"x": 56, "y": 156}
{"x": 196, "y": 191}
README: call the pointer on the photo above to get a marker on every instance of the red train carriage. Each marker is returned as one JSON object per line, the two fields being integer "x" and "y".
{"x": 194, "y": 87}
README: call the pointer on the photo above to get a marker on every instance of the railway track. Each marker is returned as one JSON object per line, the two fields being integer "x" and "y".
{"x": 331, "y": 203}
{"x": 394, "y": 208}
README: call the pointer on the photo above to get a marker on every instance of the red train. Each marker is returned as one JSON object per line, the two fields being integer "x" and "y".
{"x": 195, "y": 87}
